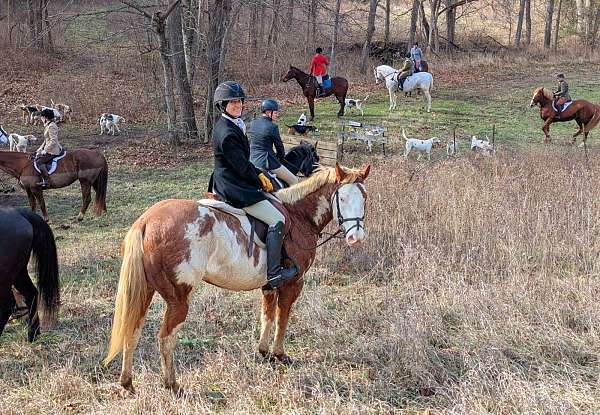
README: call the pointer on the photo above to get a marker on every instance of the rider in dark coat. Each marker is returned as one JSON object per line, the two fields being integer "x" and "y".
{"x": 240, "y": 183}
{"x": 264, "y": 135}
{"x": 561, "y": 92}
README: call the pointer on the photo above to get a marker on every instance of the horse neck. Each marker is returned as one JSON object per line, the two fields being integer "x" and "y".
{"x": 314, "y": 210}
{"x": 301, "y": 77}
{"x": 13, "y": 163}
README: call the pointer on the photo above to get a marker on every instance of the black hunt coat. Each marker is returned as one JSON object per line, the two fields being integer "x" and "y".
{"x": 235, "y": 178}
{"x": 264, "y": 134}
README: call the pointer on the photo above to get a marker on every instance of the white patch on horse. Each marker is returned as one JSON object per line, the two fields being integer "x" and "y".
{"x": 218, "y": 258}
{"x": 322, "y": 210}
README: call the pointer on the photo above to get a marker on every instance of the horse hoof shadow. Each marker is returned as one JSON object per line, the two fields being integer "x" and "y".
{"x": 275, "y": 360}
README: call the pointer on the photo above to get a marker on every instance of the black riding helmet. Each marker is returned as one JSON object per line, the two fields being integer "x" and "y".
{"x": 227, "y": 91}
{"x": 319, "y": 50}
{"x": 269, "y": 105}
{"x": 47, "y": 113}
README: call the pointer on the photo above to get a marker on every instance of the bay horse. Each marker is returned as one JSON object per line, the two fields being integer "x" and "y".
{"x": 176, "y": 244}
{"x": 87, "y": 166}
{"x": 585, "y": 113}
{"x": 308, "y": 83}
{"x": 422, "y": 81}
{"x": 24, "y": 234}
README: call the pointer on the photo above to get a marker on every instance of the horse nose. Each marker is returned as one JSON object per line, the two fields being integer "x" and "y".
{"x": 355, "y": 238}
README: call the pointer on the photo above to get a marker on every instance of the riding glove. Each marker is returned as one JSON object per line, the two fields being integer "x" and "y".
{"x": 266, "y": 183}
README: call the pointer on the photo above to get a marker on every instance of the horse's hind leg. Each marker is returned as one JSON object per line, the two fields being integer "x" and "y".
{"x": 175, "y": 315}
{"x": 7, "y": 303}
{"x": 269, "y": 301}
{"x": 311, "y": 107}
{"x": 427, "y": 98}
{"x": 86, "y": 198}
{"x": 287, "y": 296}
{"x": 24, "y": 285}
{"x": 580, "y": 124}
{"x": 129, "y": 346}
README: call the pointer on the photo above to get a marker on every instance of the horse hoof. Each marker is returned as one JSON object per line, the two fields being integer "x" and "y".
{"x": 264, "y": 353}
{"x": 176, "y": 389}
{"x": 127, "y": 386}
{"x": 284, "y": 359}
{"x": 79, "y": 217}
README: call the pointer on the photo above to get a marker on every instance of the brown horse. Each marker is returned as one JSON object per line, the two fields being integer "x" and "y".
{"x": 339, "y": 88}
{"x": 585, "y": 113}
{"x": 87, "y": 166}
{"x": 177, "y": 244}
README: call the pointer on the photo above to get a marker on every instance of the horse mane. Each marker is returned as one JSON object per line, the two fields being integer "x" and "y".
{"x": 316, "y": 181}
{"x": 547, "y": 93}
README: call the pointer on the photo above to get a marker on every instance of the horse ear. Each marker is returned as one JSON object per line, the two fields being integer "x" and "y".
{"x": 339, "y": 172}
{"x": 364, "y": 172}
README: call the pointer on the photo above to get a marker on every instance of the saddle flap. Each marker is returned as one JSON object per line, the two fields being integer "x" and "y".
{"x": 53, "y": 163}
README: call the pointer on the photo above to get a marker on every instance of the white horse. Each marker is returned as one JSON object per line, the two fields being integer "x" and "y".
{"x": 421, "y": 80}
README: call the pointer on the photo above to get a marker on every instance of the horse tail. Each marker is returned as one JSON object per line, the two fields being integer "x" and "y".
{"x": 100, "y": 186}
{"x": 45, "y": 261}
{"x": 132, "y": 294}
{"x": 594, "y": 121}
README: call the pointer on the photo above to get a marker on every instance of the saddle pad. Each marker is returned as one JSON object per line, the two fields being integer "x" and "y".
{"x": 238, "y": 213}
{"x": 54, "y": 164}
{"x": 564, "y": 106}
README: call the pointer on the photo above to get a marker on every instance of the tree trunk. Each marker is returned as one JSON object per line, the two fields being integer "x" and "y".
{"x": 33, "y": 39}
{"x": 163, "y": 47}
{"x": 557, "y": 25}
{"x": 548, "y": 29}
{"x": 450, "y": 24}
{"x": 186, "y": 100}
{"x": 414, "y": 15}
{"x": 528, "y": 24}
{"x": 313, "y": 22}
{"x": 579, "y": 12}
{"x": 386, "y": 29}
{"x": 47, "y": 28}
{"x": 190, "y": 18}
{"x": 334, "y": 38}
{"x": 217, "y": 21}
{"x": 39, "y": 21}
{"x": 424, "y": 22}
{"x": 370, "y": 30}
{"x": 253, "y": 31}
{"x": 274, "y": 28}
{"x": 520, "y": 23}
{"x": 595, "y": 28}
{"x": 290, "y": 15}
{"x": 434, "y": 6}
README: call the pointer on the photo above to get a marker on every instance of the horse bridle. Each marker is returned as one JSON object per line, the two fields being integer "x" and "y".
{"x": 341, "y": 220}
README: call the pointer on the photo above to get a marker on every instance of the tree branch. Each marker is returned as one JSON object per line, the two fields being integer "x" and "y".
{"x": 455, "y": 5}
{"x": 137, "y": 7}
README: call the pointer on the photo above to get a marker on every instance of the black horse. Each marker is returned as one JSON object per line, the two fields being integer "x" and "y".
{"x": 22, "y": 233}
{"x": 302, "y": 158}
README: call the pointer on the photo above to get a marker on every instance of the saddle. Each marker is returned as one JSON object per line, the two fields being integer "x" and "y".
{"x": 560, "y": 104}
{"x": 327, "y": 84}
{"x": 51, "y": 164}
{"x": 254, "y": 228}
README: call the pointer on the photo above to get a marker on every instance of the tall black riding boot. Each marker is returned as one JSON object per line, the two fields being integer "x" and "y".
{"x": 276, "y": 274}
{"x": 44, "y": 175}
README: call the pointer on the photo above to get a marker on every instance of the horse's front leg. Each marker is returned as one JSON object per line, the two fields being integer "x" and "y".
{"x": 392, "y": 93}
{"x": 546, "y": 130}
{"x": 311, "y": 107}
{"x": 427, "y": 99}
{"x": 267, "y": 316}
{"x": 31, "y": 198}
{"x": 287, "y": 296}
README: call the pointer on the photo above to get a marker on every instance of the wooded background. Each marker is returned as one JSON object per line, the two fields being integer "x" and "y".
{"x": 189, "y": 46}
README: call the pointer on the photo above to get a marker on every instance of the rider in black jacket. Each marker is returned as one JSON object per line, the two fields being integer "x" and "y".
{"x": 239, "y": 182}
{"x": 264, "y": 134}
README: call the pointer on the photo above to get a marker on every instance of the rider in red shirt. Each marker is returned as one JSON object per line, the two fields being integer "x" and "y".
{"x": 318, "y": 67}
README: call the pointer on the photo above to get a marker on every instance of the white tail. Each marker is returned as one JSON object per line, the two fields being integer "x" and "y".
{"x": 404, "y": 134}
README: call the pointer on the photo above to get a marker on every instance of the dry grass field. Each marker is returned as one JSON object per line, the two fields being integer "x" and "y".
{"x": 475, "y": 292}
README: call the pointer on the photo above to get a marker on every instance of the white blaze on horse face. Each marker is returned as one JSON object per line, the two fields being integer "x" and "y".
{"x": 352, "y": 205}
{"x": 322, "y": 209}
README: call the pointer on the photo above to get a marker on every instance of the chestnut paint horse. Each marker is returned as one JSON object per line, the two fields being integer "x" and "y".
{"x": 339, "y": 87}
{"x": 585, "y": 113}
{"x": 177, "y": 244}
{"x": 87, "y": 166}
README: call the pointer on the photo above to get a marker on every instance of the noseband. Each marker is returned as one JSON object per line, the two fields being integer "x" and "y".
{"x": 341, "y": 220}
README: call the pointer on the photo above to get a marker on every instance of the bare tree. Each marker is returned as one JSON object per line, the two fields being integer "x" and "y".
{"x": 548, "y": 29}
{"x": 290, "y": 15}
{"x": 557, "y": 25}
{"x": 370, "y": 30}
{"x": 434, "y": 6}
{"x": 518, "y": 31}
{"x": 186, "y": 100}
{"x": 190, "y": 36}
{"x": 414, "y": 15}
{"x": 386, "y": 29}
{"x": 528, "y": 24}
{"x": 334, "y": 37}
{"x": 217, "y": 21}
{"x": 450, "y": 24}
{"x": 158, "y": 26}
